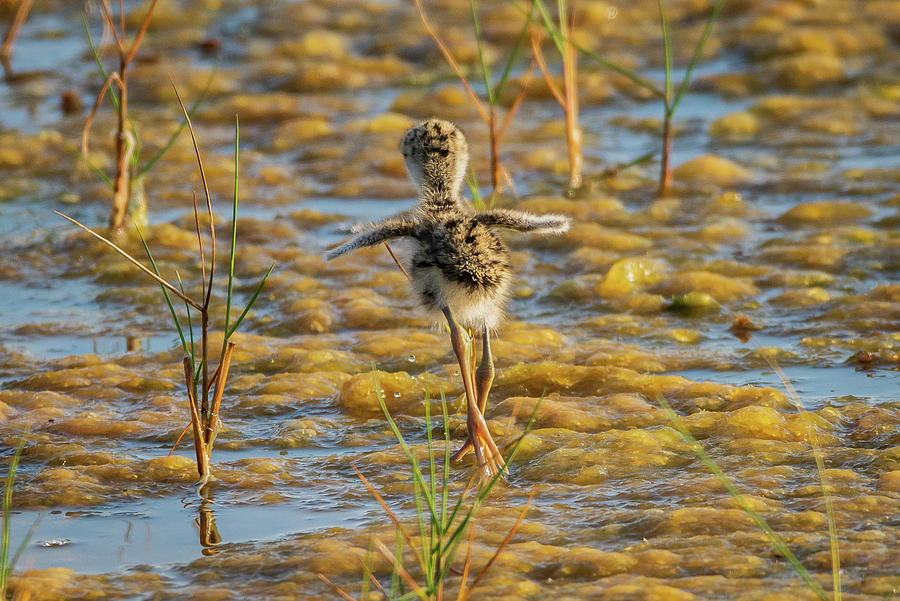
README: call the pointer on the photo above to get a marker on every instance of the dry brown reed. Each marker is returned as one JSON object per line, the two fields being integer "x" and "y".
{"x": 488, "y": 111}
{"x": 12, "y": 32}
{"x": 567, "y": 97}
{"x": 125, "y": 139}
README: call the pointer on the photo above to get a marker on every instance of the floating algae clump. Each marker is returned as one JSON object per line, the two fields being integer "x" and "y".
{"x": 713, "y": 169}
{"x": 825, "y": 212}
{"x": 630, "y": 275}
{"x": 735, "y": 124}
{"x": 400, "y": 391}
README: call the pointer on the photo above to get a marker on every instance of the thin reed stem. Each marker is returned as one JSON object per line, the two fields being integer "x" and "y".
{"x": 196, "y": 424}
{"x": 824, "y": 481}
{"x": 391, "y": 515}
{"x": 774, "y": 539}
{"x": 567, "y": 97}
{"x": 495, "y": 149}
{"x": 665, "y": 169}
{"x": 135, "y": 262}
{"x": 506, "y": 541}
{"x": 221, "y": 377}
{"x": 12, "y": 32}
{"x": 204, "y": 311}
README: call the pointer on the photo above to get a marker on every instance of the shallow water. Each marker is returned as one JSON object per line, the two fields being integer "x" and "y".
{"x": 794, "y": 232}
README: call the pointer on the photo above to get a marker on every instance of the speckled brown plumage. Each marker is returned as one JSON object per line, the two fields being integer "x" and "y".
{"x": 458, "y": 266}
{"x": 454, "y": 259}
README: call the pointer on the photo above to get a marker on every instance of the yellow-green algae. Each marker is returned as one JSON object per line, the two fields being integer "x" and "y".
{"x": 777, "y": 227}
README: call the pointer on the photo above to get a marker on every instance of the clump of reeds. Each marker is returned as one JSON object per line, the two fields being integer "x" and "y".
{"x": 7, "y": 563}
{"x": 488, "y": 108}
{"x": 670, "y": 100}
{"x": 126, "y": 182}
{"x": 774, "y": 538}
{"x": 443, "y": 525}
{"x": 204, "y": 389}
{"x": 567, "y": 97}
{"x": 12, "y": 32}
{"x": 560, "y": 33}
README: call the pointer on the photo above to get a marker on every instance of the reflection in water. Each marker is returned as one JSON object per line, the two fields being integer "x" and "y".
{"x": 206, "y": 522}
{"x": 134, "y": 344}
{"x": 126, "y": 540}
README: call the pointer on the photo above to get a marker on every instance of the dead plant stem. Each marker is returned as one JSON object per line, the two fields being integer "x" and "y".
{"x": 122, "y": 181}
{"x": 222, "y": 370}
{"x": 136, "y": 263}
{"x": 196, "y": 425}
{"x": 12, "y": 32}
{"x": 665, "y": 170}
{"x": 204, "y": 345}
{"x": 570, "y": 83}
{"x": 495, "y": 149}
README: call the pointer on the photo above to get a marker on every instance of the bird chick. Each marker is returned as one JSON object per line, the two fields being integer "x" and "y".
{"x": 458, "y": 266}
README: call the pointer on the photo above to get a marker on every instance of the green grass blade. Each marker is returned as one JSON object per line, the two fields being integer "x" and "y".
{"x": 418, "y": 479}
{"x": 5, "y": 564}
{"x": 230, "y": 331}
{"x": 197, "y": 373}
{"x": 427, "y": 542}
{"x": 445, "y": 476}
{"x": 190, "y": 325}
{"x": 698, "y": 51}
{"x": 423, "y": 534}
{"x": 97, "y": 60}
{"x": 100, "y": 173}
{"x": 230, "y": 291}
{"x": 194, "y": 108}
{"x": 559, "y": 39}
{"x": 136, "y": 153}
{"x": 549, "y": 26}
{"x": 25, "y": 540}
{"x": 175, "y": 319}
{"x": 667, "y": 50}
{"x": 485, "y": 71}
{"x": 472, "y": 184}
{"x": 430, "y": 439}
{"x": 776, "y": 541}
{"x": 418, "y": 493}
{"x": 562, "y": 13}
{"x": 824, "y": 481}
{"x": 456, "y": 537}
{"x": 517, "y": 48}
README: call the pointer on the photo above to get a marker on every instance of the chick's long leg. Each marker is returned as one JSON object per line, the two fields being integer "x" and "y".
{"x": 459, "y": 348}
{"x": 478, "y": 430}
{"x": 484, "y": 377}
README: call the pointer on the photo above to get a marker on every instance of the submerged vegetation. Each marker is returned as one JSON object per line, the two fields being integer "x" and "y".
{"x": 730, "y": 172}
